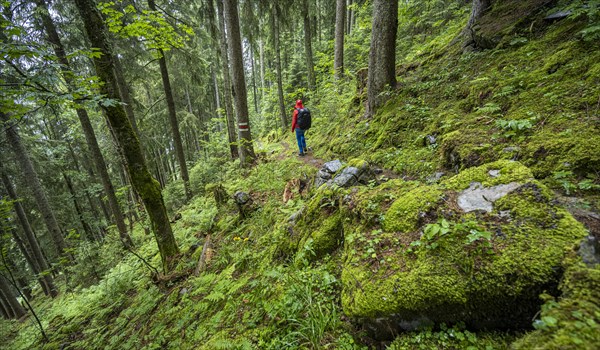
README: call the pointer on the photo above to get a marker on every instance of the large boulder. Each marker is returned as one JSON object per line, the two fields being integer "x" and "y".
{"x": 483, "y": 263}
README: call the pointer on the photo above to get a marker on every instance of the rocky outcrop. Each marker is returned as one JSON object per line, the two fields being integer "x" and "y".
{"x": 357, "y": 172}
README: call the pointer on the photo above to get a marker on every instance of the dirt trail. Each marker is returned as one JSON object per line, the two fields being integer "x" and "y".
{"x": 307, "y": 159}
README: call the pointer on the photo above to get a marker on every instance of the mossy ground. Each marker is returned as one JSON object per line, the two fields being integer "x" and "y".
{"x": 532, "y": 98}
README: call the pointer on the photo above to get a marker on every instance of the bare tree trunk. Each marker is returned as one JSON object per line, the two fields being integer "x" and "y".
{"x": 4, "y": 309}
{"x": 340, "y": 26}
{"x": 86, "y": 125}
{"x": 227, "y": 87}
{"x": 125, "y": 95}
{"x": 11, "y": 300}
{"x": 382, "y": 56}
{"x": 37, "y": 255}
{"x": 252, "y": 69}
{"x": 164, "y": 73}
{"x": 239, "y": 82}
{"x": 34, "y": 184}
{"x": 261, "y": 51}
{"x": 275, "y": 34}
{"x": 310, "y": 67}
{"x": 477, "y": 10}
{"x": 145, "y": 185}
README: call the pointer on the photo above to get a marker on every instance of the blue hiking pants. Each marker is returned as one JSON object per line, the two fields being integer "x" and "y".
{"x": 301, "y": 140}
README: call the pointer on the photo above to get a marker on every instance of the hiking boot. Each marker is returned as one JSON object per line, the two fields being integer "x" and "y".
{"x": 305, "y": 150}
{"x": 301, "y": 154}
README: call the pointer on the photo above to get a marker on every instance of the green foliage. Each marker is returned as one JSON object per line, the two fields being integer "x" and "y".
{"x": 454, "y": 337}
{"x": 151, "y": 25}
{"x": 589, "y": 10}
{"x": 569, "y": 183}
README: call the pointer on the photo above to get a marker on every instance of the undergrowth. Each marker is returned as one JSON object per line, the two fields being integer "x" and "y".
{"x": 533, "y": 98}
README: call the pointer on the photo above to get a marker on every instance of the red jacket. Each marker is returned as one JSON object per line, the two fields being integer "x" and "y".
{"x": 295, "y": 115}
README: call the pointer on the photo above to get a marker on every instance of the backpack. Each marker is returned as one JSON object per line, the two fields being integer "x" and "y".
{"x": 304, "y": 119}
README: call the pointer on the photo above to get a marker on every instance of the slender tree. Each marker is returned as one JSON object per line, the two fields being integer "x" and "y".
{"x": 86, "y": 125}
{"x": 10, "y": 299}
{"x": 340, "y": 27}
{"x": 382, "y": 55}
{"x": 239, "y": 81}
{"x": 33, "y": 182}
{"x": 276, "y": 47}
{"x": 310, "y": 67}
{"x": 478, "y": 9}
{"x": 164, "y": 73}
{"x": 144, "y": 184}
{"x": 223, "y": 52}
{"x": 38, "y": 262}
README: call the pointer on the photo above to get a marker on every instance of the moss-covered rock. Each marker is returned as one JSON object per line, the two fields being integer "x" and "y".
{"x": 406, "y": 211}
{"x": 464, "y": 267}
{"x": 573, "y": 321}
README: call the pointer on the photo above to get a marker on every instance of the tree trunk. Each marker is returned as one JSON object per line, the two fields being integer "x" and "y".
{"x": 88, "y": 130}
{"x": 34, "y": 184}
{"x": 261, "y": 57}
{"x": 11, "y": 300}
{"x": 36, "y": 252}
{"x": 164, "y": 73}
{"x": 382, "y": 54}
{"x": 146, "y": 186}
{"x": 125, "y": 95}
{"x": 4, "y": 309}
{"x": 253, "y": 70}
{"x": 340, "y": 26}
{"x": 227, "y": 87}
{"x": 46, "y": 282}
{"x": 276, "y": 48}
{"x": 246, "y": 148}
{"x": 308, "y": 47}
{"x": 477, "y": 10}
{"x": 86, "y": 227}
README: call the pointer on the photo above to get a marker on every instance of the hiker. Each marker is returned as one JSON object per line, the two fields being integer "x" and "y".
{"x": 301, "y": 121}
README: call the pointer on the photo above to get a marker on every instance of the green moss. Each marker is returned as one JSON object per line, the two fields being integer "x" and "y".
{"x": 572, "y": 321}
{"x": 483, "y": 283}
{"x": 509, "y": 171}
{"x": 319, "y": 229}
{"x": 358, "y": 163}
{"x": 323, "y": 240}
{"x": 403, "y": 215}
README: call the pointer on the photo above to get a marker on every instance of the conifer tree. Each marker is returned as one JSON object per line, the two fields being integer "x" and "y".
{"x": 144, "y": 184}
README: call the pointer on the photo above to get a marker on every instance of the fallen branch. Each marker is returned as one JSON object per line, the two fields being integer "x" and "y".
{"x": 202, "y": 261}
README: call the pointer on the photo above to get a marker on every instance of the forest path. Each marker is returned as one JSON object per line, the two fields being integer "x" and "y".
{"x": 308, "y": 158}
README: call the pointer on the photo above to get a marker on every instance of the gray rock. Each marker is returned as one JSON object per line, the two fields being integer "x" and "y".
{"x": 345, "y": 180}
{"x": 477, "y": 197}
{"x": 558, "y": 15}
{"x": 320, "y": 182}
{"x": 494, "y": 173}
{"x": 324, "y": 174}
{"x": 435, "y": 177}
{"x": 431, "y": 139}
{"x": 294, "y": 217}
{"x": 241, "y": 198}
{"x": 504, "y": 213}
{"x": 511, "y": 149}
{"x": 332, "y": 166}
{"x": 588, "y": 251}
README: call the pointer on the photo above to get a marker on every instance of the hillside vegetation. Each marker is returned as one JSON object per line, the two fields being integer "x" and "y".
{"x": 394, "y": 261}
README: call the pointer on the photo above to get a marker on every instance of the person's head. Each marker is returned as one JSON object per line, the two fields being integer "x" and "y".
{"x": 299, "y": 104}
